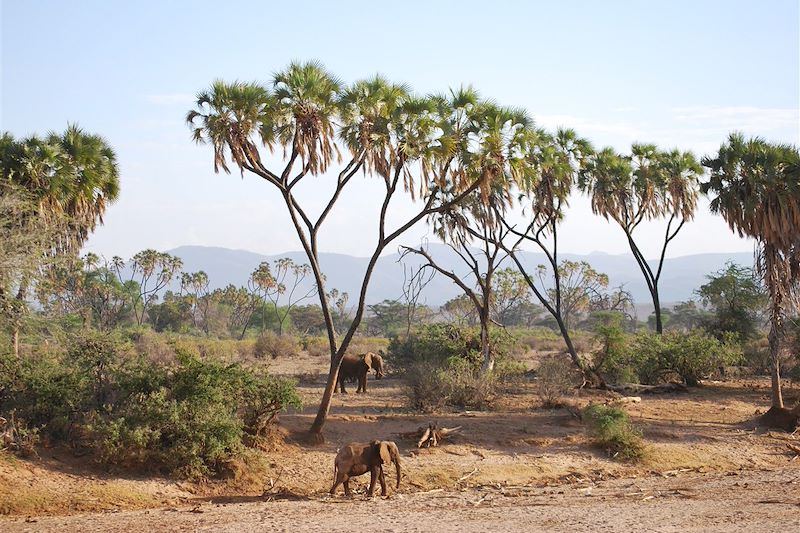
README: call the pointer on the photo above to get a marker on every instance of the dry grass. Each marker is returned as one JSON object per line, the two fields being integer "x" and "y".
{"x": 27, "y": 490}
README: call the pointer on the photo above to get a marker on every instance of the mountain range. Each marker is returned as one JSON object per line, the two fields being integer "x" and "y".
{"x": 680, "y": 278}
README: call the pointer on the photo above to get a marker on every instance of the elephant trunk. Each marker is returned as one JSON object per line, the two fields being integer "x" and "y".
{"x": 396, "y": 459}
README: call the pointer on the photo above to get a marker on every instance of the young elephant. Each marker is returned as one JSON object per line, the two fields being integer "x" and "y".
{"x": 358, "y": 458}
{"x": 357, "y": 367}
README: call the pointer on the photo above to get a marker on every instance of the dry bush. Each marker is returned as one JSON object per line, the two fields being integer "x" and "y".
{"x": 361, "y": 345}
{"x": 424, "y": 388}
{"x": 430, "y": 387}
{"x": 470, "y": 389}
{"x": 756, "y": 354}
{"x": 583, "y": 342}
{"x": 154, "y": 347}
{"x": 216, "y": 348}
{"x": 541, "y": 340}
{"x": 245, "y": 348}
{"x": 316, "y": 346}
{"x": 271, "y": 345}
{"x": 553, "y": 380}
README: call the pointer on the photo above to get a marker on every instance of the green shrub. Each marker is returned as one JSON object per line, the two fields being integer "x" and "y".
{"x": 611, "y": 359}
{"x": 263, "y": 397}
{"x": 442, "y": 365}
{"x": 442, "y": 343}
{"x": 189, "y": 438}
{"x": 195, "y": 421}
{"x": 611, "y": 429}
{"x": 186, "y": 418}
{"x": 691, "y": 356}
{"x": 468, "y": 387}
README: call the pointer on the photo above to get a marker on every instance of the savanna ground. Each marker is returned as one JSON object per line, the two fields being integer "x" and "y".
{"x": 708, "y": 467}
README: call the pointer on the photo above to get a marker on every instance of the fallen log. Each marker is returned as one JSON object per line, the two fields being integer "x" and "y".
{"x": 433, "y": 434}
{"x": 430, "y": 436}
{"x": 635, "y": 388}
{"x": 793, "y": 448}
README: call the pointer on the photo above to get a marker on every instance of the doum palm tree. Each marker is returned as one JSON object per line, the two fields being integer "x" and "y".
{"x": 71, "y": 178}
{"x": 755, "y": 186}
{"x": 326, "y": 129}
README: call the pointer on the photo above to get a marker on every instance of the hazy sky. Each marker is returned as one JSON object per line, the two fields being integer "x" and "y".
{"x": 680, "y": 74}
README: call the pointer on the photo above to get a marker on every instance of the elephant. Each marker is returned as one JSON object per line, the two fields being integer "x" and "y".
{"x": 358, "y": 366}
{"x": 358, "y": 458}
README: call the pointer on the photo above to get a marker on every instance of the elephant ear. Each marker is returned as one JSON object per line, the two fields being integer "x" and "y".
{"x": 386, "y": 454}
{"x": 368, "y": 359}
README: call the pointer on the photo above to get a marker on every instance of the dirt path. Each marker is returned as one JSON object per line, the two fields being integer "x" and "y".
{"x": 751, "y": 501}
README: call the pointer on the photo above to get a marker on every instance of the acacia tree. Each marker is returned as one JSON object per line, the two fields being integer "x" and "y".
{"x": 736, "y": 295}
{"x": 459, "y": 310}
{"x": 151, "y": 271}
{"x": 509, "y": 293}
{"x": 414, "y": 282}
{"x": 284, "y": 286}
{"x": 647, "y": 185}
{"x": 419, "y": 144}
{"x": 457, "y": 229}
{"x": 580, "y": 286}
{"x": 557, "y": 160}
{"x": 756, "y": 188}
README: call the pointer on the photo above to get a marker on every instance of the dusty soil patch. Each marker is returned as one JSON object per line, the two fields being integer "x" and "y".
{"x": 754, "y": 501}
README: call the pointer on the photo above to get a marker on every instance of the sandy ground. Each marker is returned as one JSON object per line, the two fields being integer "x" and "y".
{"x": 709, "y": 467}
{"x": 751, "y": 501}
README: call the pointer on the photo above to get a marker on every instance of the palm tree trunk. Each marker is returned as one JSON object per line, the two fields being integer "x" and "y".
{"x": 775, "y": 283}
{"x": 775, "y": 362}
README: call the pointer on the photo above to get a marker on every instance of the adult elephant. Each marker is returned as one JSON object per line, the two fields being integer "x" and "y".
{"x": 358, "y": 458}
{"x": 357, "y": 367}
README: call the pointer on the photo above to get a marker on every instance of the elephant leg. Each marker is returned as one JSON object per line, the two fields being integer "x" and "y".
{"x": 373, "y": 474}
{"x": 362, "y": 383}
{"x": 383, "y": 483}
{"x": 340, "y": 478}
{"x": 347, "y": 487}
{"x": 341, "y": 385}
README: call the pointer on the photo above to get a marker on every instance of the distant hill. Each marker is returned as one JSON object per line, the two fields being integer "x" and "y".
{"x": 681, "y": 276}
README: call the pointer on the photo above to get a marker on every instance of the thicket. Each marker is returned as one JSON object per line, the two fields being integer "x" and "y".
{"x": 442, "y": 366}
{"x": 185, "y": 417}
{"x": 650, "y": 359}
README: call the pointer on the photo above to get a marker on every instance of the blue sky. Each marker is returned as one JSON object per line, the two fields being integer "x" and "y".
{"x": 681, "y": 74}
